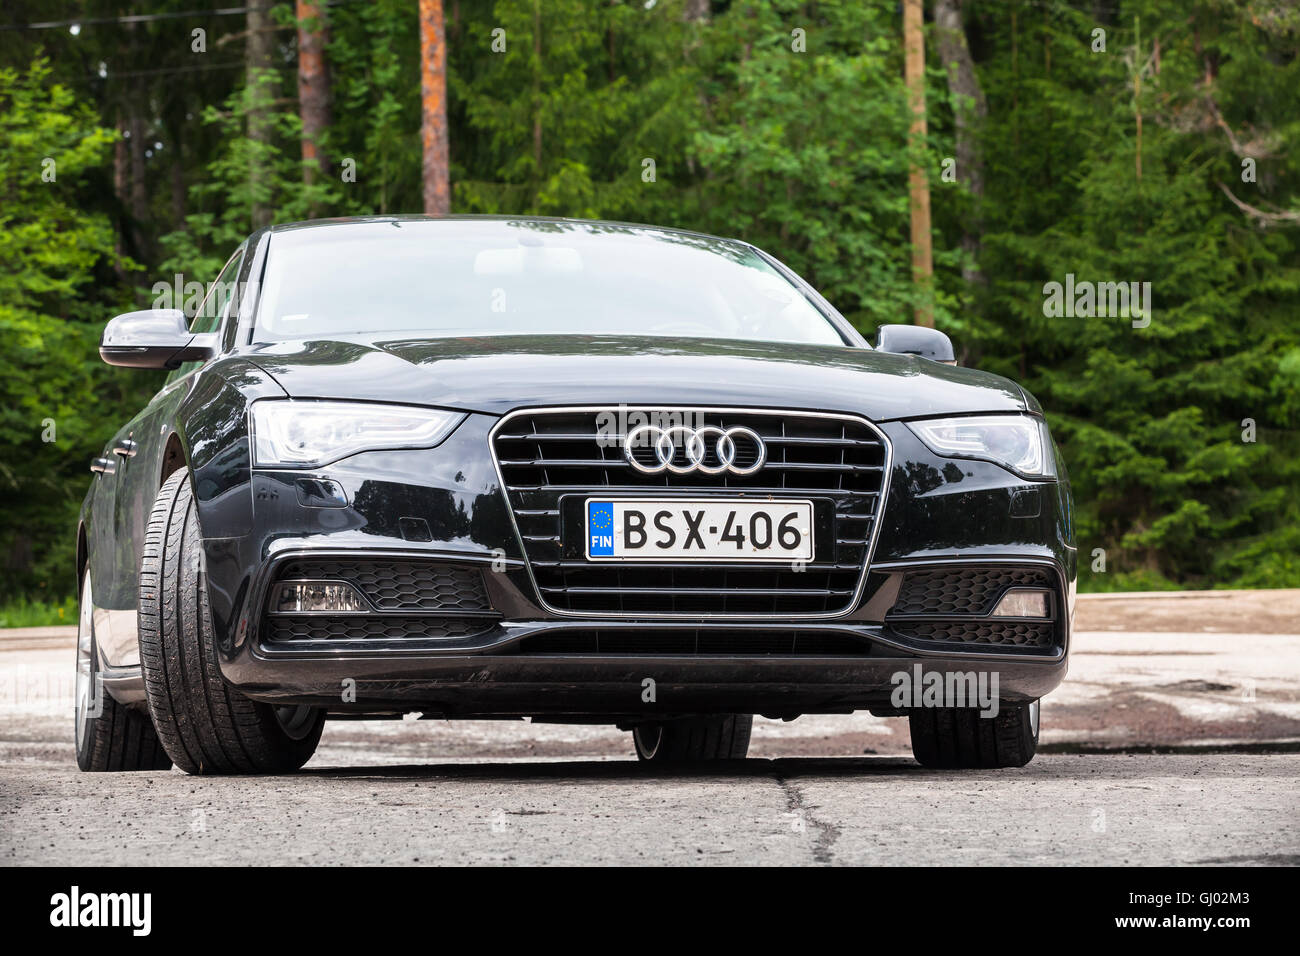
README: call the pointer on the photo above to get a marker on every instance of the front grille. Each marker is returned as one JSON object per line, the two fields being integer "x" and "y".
{"x": 964, "y": 590}
{"x": 1000, "y": 633}
{"x": 395, "y": 585}
{"x": 321, "y": 628}
{"x": 712, "y": 642}
{"x": 546, "y": 455}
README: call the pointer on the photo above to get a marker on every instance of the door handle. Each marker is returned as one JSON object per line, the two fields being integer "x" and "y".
{"x": 126, "y": 448}
{"x": 103, "y": 466}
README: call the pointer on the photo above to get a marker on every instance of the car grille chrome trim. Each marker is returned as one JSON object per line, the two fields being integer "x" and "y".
{"x": 542, "y": 454}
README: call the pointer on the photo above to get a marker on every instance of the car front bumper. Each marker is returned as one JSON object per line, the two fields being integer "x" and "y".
{"x": 446, "y": 506}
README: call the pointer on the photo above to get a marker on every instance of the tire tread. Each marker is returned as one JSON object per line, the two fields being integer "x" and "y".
{"x": 205, "y": 725}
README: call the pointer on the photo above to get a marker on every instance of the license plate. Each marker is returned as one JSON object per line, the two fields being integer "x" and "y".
{"x": 700, "y": 529}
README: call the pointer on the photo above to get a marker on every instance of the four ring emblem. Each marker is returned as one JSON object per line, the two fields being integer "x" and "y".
{"x": 710, "y": 450}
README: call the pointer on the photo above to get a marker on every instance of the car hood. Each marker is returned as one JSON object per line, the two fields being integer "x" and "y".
{"x": 496, "y": 374}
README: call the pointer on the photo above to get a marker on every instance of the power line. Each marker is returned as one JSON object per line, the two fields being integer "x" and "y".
{"x": 146, "y": 17}
{"x": 129, "y": 18}
{"x": 112, "y": 74}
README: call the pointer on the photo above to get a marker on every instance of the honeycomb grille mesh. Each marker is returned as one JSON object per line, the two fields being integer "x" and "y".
{"x": 1000, "y": 633}
{"x": 416, "y": 602}
{"x": 402, "y": 585}
{"x": 317, "y": 629}
{"x": 963, "y": 590}
{"x": 966, "y": 596}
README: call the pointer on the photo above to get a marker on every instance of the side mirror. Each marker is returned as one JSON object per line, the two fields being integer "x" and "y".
{"x": 154, "y": 338}
{"x": 916, "y": 340}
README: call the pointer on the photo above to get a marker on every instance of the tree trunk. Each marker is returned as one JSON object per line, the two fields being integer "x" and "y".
{"x": 121, "y": 178}
{"x": 695, "y": 11}
{"x": 178, "y": 191}
{"x": 313, "y": 87}
{"x": 537, "y": 88}
{"x": 258, "y": 54}
{"x": 918, "y": 185}
{"x": 139, "y": 186}
{"x": 433, "y": 108}
{"x": 969, "y": 110}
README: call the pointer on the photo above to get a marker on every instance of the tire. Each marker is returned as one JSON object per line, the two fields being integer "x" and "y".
{"x": 694, "y": 739}
{"x": 205, "y": 726}
{"x": 953, "y": 738}
{"x": 109, "y": 736}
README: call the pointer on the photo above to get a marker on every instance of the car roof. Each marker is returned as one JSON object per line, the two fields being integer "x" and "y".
{"x": 557, "y": 220}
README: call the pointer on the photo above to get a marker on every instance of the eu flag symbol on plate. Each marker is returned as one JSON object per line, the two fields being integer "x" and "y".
{"x": 600, "y": 528}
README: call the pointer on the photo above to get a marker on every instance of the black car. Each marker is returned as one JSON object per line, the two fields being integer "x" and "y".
{"x": 565, "y": 470}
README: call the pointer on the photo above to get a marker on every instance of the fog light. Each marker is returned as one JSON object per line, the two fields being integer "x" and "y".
{"x": 296, "y": 597}
{"x": 1020, "y": 602}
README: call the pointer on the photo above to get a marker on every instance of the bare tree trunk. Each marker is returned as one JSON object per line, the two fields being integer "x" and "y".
{"x": 258, "y": 53}
{"x": 1137, "y": 93}
{"x": 969, "y": 110}
{"x": 178, "y": 192}
{"x": 433, "y": 107}
{"x": 174, "y": 123}
{"x": 695, "y": 10}
{"x": 537, "y": 87}
{"x": 139, "y": 188}
{"x": 313, "y": 87}
{"x": 121, "y": 178}
{"x": 918, "y": 185}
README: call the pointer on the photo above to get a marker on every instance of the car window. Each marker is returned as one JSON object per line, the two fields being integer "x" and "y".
{"x": 212, "y": 311}
{"x": 458, "y": 278}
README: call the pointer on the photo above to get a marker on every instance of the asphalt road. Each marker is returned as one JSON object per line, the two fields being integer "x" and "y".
{"x": 1094, "y": 809}
{"x": 834, "y": 789}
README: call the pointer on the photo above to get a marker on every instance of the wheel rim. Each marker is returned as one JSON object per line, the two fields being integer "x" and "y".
{"x": 1033, "y": 719}
{"x": 294, "y": 720}
{"x": 648, "y": 738}
{"x": 85, "y": 659}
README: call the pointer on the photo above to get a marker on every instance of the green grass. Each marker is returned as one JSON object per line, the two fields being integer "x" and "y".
{"x": 21, "y": 612}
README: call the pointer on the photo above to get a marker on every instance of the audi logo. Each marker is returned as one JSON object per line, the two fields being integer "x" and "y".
{"x": 709, "y": 450}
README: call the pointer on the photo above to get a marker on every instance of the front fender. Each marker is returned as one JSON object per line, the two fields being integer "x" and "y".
{"x": 212, "y": 423}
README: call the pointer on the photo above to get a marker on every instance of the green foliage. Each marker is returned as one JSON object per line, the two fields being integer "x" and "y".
{"x": 57, "y": 403}
{"x": 22, "y": 612}
{"x": 1152, "y": 419}
{"x": 783, "y": 122}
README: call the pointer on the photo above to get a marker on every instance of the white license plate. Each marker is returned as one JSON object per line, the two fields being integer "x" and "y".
{"x": 699, "y": 529}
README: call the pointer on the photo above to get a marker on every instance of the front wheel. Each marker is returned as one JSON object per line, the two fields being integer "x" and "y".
{"x": 960, "y": 738}
{"x": 204, "y": 725}
{"x": 694, "y": 739}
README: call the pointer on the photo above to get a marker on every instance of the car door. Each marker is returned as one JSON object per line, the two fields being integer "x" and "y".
{"x": 137, "y": 452}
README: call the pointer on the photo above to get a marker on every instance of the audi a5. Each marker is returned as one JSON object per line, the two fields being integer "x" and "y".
{"x": 560, "y": 470}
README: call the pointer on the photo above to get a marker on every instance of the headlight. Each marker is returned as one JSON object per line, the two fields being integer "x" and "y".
{"x": 1017, "y": 442}
{"x": 305, "y": 434}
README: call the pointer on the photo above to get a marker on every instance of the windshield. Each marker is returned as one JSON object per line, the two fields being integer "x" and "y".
{"x": 462, "y": 277}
